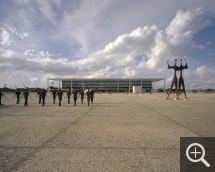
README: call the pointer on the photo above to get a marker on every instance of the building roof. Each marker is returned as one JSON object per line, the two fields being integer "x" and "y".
{"x": 146, "y": 79}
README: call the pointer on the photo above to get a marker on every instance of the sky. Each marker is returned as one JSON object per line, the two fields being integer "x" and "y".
{"x": 106, "y": 39}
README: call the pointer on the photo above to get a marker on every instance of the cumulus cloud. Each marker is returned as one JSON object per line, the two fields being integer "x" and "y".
{"x": 141, "y": 53}
{"x": 10, "y": 35}
{"x": 190, "y": 20}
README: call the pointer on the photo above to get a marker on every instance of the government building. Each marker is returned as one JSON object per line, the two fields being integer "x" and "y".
{"x": 106, "y": 84}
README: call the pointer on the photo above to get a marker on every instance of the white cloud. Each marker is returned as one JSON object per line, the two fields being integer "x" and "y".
{"x": 29, "y": 52}
{"x": 11, "y": 36}
{"x": 34, "y": 45}
{"x": 208, "y": 42}
{"x": 151, "y": 45}
{"x": 190, "y": 20}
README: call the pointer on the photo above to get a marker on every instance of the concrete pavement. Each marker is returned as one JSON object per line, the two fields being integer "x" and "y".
{"x": 118, "y": 132}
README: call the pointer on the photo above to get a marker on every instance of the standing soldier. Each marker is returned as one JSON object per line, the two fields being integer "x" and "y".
{"x": 68, "y": 94}
{"x": 88, "y": 96}
{"x": 1, "y": 95}
{"x": 60, "y": 94}
{"x": 17, "y": 93}
{"x": 26, "y": 94}
{"x": 82, "y": 95}
{"x": 39, "y": 94}
{"x": 75, "y": 96}
{"x": 43, "y": 95}
{"x": 54, "y": 92}
{"x": 92, "y": 95}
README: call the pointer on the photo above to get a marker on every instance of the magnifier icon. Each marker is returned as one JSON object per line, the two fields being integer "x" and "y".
{"x": 195, "y": 152}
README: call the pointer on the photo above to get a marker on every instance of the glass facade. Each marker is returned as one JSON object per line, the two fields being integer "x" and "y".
{"x": 106, "y": 85}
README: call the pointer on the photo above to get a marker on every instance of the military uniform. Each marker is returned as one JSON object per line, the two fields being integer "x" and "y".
{"x": 75, "y": 96}
{"x": 82, "y": 96}
{"x": 54, "y": 92}
{"x": 17, "y": 93}
{"x": 92, "y": 95}
{"x": 39, "y": 94}
{"x": 68, "y": 95}
{"x": 26, "y": 94}
{"x": 43, "y": 95}
{"x": 88, "y": 97}
{"x": 1, "y": 94}
{"x": 60, "y": 94}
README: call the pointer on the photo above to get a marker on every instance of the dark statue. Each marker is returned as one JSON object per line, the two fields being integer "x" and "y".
{"x": 175, "y": 79}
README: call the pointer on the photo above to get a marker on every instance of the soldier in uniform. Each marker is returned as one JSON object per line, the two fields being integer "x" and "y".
{"x": 26, "y": 94}
{"x": 1, "y": 95}
{"x": 54, "y": 92}
{"x": 43, "y": 95}
{"x": 39, "y": 94}
{"x": 17, "y": 93}
{"x": 81, "y": 93}
{"x": 88, "y": 96}
{"x": 60, "y": 94}
{"x": 75, "y": 96}
{"x": 68, "y": 94}
{"x": 92, "y": 95}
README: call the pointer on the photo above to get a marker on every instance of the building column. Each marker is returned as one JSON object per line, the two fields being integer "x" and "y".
{"x": 48, "y": 85}
{"x": 141, "y": 85}
{"x": 129, "y": 86}
{"x": 152, "y": 85}
{"x": 118, "y": 86}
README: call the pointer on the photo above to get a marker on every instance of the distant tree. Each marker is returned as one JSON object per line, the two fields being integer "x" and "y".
{"x": 208, "y": 90}
{"x": 194, "y": 91}
{"x": 160, "y": 90}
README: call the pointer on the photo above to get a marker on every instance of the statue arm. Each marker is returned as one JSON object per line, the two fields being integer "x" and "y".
{"x": 170, "y": 67}
{"x": 185, "y": 67}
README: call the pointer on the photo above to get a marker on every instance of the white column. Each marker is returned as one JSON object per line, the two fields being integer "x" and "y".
{"x": 129, "y": 86}
{"x": 48, "y": 84}
{"x": 118, "y": 86}
{"x": 141, "y": 85}
{"x": 152, "y": 85}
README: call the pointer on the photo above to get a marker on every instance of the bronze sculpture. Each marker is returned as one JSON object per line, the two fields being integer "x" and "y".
{"x": 175, "y": 81}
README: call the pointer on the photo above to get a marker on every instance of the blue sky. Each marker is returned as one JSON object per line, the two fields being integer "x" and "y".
{"x": 109, "y": 38}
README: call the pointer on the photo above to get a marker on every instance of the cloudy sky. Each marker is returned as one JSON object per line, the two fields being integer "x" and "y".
{"x": 106, "y": 38}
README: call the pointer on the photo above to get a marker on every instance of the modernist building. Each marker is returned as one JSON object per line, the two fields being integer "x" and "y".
{"x": 106, "y": 84}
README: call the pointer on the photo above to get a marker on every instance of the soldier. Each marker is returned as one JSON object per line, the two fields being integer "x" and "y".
{"x": 1, "y": 94}
{"x": 92, "y": 95}
{"x": 68, "y": 94}
{"x": 26, "y": 94}
{"x": 39, "y": 93}
{"x": 17, "y": 93}
{"x": 60, "y": 94}
{"x": 75, "y": 96}
{"x": 88, "y": 96}
{"x": 81, "y": 93}
{"x": 43, "y": 95}
{"x": 54, "y": 92}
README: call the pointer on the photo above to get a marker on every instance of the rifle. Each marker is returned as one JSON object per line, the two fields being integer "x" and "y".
{"x": 30, "y": 97}
{"x": 5, "y": 97}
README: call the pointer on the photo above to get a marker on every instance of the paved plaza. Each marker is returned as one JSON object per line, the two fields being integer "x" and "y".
{"x": 118, "y": 132}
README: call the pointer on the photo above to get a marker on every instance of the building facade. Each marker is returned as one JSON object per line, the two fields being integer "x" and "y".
{"x": 106, "y": 84}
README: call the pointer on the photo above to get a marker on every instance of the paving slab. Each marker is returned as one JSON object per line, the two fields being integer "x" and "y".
{"x": 118, "y": 132}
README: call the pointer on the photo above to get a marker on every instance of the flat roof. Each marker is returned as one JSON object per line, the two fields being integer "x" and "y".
{"x": 146, "y": 79}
